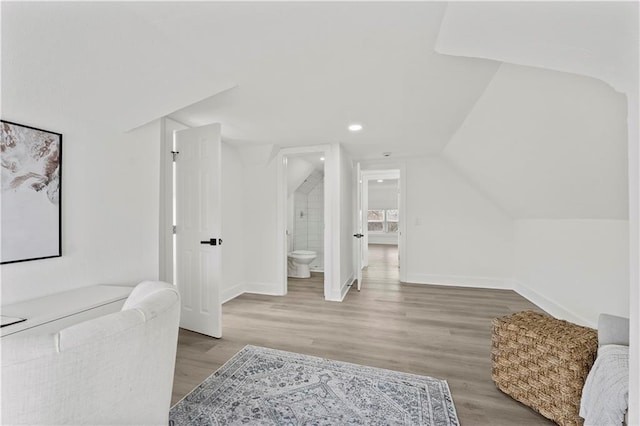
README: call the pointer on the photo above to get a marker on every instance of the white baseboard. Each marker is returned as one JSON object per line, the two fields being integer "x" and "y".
{"x": 339, "y": 295}
{"x": 232, "y": 293}
{"x": 549, "y": 306}
{"x": 384, "y": 242}
{"x": 270, "y": 289}
{"x": 346, "y": 286}
{"x": 458, "y": 281}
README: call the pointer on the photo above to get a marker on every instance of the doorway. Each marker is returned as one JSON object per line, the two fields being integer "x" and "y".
{"x": 383, "y": 212}
{"x": 304, "y": 218}
{"x": 382, "y": 225}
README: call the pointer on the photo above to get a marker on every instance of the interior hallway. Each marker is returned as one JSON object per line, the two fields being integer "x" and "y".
{"x": 438, "y": 331}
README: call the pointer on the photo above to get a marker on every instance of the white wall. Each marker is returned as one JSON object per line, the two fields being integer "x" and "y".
{"x": 301, "y": 217}
{"x": 297, "y": 171}
{"x": 454, "y": 235}
{"x": 308, "y": 219}
{"x": 598, "y": 39}
{"x": 233, "y": 262}
{"x": 315, "y": 225}
{"x": 574, "y": 269}
{"x": 110, "y": 198}
{"x": 260, "y": 212}
{"x": 383, "y": 196}
{"x": 383, "y": 238}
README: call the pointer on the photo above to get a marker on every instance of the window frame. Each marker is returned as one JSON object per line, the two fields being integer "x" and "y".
{"x": 385, "y": 221}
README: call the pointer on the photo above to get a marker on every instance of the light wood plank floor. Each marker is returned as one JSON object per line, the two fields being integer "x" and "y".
{"x": 438, "y": 331}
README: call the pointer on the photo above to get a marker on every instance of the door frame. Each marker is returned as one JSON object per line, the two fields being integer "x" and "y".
{"x": 282, "y": 194}
{"x": 166, "y": 240}
{"x": 389, "y": 170}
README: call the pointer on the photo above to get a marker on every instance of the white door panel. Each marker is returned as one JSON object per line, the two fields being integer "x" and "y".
{"x": 198, "y": 235}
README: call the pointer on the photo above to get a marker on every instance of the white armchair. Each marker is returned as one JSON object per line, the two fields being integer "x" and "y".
{"x": 115, "y": 369}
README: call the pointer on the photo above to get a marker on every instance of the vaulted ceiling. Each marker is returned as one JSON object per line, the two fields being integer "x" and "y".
{"x": 297, "y": 73}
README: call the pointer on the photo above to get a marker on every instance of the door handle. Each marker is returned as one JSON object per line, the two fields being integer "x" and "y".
{"x": 212, "y": 241}
{"x": 358, "y": 235}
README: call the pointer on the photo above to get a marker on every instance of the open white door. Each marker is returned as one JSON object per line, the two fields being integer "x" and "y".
{"x": 198, "y": 226}
{"x": 364, "y": 199}
{"x": 359, "y": 227}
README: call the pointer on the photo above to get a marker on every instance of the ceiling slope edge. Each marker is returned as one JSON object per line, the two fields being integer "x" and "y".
{"x": 151, "y": 116}
{"x": 558, "y": 37}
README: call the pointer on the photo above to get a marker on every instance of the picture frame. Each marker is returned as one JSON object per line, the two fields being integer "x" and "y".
{"x": 31, "y": 193}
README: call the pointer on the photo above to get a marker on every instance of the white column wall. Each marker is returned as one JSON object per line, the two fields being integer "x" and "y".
{"x": 233, "y": 224}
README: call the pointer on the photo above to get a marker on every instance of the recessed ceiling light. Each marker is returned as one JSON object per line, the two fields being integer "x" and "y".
{"x": 380, "y": 181}
{"x": 355, "y": 127}
{"x": 321, "y": 158}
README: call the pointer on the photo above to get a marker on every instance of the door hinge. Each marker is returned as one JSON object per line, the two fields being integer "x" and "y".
{"x": 175, "y": 154}
{"x": 174, "y": 229}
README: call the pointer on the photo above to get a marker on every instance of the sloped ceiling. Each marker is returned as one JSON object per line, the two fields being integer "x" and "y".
{"x": 290, "y": 73}
{"x": 538, "y": 143}
{"x": 597, "y": 39}
{"x": 543, "y": 143}
{"x": 547, "y": 144}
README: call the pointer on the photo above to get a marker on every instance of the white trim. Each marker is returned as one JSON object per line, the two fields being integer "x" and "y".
{"x": 338, "y": 296}
{"x": 332, "y": 217}
{"x": 347, "y": 286}
{"x": 548, "y": 305}
{"x": 165, "y": 246}
{"x": 165, "y": 243}
{"x": 269, "y": 289}
{"x": 390, "y": 242}
{"x": 364, "y": 262}
{"x": 402, "y": 226}
{"x": 458, "y": 281}
{"x": 232, "y": 293}
{"x": 633, "y": 132}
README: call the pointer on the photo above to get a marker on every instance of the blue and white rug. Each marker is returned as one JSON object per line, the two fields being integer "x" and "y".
{"x": 260, "y": 386}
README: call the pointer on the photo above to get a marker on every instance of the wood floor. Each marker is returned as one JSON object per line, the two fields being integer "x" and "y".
{"x": 438, "y": 331}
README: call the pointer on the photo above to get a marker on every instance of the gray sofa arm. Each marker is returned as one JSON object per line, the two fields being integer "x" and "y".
{"x": 613, "y": 330}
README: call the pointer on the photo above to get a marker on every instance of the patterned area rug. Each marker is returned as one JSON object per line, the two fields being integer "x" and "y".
{"x": 260, "y": 386}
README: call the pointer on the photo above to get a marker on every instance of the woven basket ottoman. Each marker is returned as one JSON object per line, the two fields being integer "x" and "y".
{"x": 543, "y": 362}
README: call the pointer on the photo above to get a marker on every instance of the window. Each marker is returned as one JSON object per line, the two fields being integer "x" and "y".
{"x": 382, "y": 220}
{"x": 375, "y": 220}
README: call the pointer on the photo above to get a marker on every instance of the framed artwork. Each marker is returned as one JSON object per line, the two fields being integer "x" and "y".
{"x": 31, "y": 198}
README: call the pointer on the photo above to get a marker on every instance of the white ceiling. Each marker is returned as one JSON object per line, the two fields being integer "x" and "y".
{"x": 277, "y": 74}
{"x": 294, "y": 73}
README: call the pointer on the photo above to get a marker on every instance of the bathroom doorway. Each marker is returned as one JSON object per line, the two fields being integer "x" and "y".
{"x": 304, "y": 218}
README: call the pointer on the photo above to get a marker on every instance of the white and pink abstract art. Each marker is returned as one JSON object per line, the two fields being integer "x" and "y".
{"x": 31, "y": 184}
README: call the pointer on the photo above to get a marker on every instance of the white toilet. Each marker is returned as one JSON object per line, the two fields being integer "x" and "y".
{"x": 299, "y": 261}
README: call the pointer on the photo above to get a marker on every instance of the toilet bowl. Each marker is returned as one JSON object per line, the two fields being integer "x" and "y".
{"x": 299, "y": 261}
